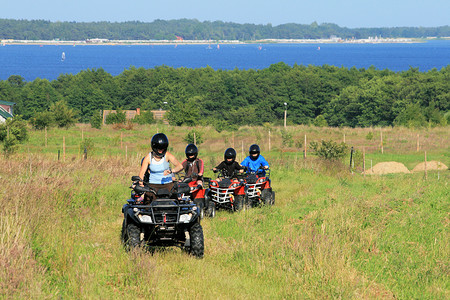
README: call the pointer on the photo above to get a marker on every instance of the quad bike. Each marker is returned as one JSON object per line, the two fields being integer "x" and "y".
{"x": 197, "y": 194}
{"x": 225, "y": 193}
{"x": 258, "y": 189}
{"x": 170, "y": 220}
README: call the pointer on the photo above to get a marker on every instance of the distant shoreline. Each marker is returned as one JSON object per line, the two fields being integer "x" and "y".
{"x": 99, "y": 42}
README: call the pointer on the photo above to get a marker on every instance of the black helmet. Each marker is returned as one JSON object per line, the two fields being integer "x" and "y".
{"x": 254, "y": 149}
{"x": 159, "y": 142}
{"x": 191, "y": 149}
{"x": 229, "y": 153}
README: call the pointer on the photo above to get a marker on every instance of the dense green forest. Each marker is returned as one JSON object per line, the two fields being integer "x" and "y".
{"x": 196, "y": 30}
{"x": 320, "y": 95}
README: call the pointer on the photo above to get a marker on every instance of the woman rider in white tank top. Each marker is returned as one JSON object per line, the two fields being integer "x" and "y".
{"x": 158, "y": 162}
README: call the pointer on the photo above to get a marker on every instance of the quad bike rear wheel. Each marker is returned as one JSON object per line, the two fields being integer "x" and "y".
{"x": 201, "y": 207}
{"x": 211, "y": 210}
{"x": 197, "y": 246}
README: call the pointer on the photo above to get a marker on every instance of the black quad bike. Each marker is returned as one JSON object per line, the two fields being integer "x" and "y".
{"x": 170, "y": 220}
{"x": 258, "y": 189}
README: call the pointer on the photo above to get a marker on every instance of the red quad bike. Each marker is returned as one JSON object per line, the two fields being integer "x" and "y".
{"x": 197, "y": 194}
{"x": 258, "y": 189}
{"x": 225, "y": 193}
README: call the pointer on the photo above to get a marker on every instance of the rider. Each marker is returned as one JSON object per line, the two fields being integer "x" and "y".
{"x": 193, "y": 165}
{"x": 255, "y": 160}
{"x": 158, "y": 163}
{"x": 229, "y": 165}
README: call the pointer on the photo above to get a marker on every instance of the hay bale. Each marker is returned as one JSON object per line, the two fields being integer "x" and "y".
{"x": 388, "y": 168}
{"x": 431, "y": 165}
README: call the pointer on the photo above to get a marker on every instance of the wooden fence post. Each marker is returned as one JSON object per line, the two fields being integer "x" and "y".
{"x": 364, "y": 161}
{"x": 418, "y": 145}
{"x": 304, "y": 151}
{"x": 269, "y": 139}
{"x": 381, "y": 141}
{"x": 64, "y": 148}
{"x": 426, "y": 172}
{"x": 45, "y": 136}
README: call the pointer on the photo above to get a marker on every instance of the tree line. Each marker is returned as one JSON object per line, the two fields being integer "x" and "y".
{"x": 320, "y": 95}
{"x": 192, "y": 29}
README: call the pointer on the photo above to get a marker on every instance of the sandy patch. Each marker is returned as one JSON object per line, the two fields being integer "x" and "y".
{"x": 431, "y": 165}
{"x": 388, "y": 168}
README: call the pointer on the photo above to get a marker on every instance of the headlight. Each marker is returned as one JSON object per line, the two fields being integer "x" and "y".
{"x": 185, "y": 218}
{"x": 145, "y": 218}
{"x": 235, "y": 185}
{"x": 213, "y": 183}
{"x": 261, "y": 180}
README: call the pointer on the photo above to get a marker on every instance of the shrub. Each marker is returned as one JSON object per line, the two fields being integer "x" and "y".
{"x": 13, "y": 132}
{"x": 144, "y": 118}
{"x": 221, "y": 125}
{"x": 62, "y": 114}
{"x": 320, "y": 121}
{"x": 329, "y": 149}
{"x": 116, "y": 118}
{"x": 189, "y": 138}
{"x": 87, "y": 144}
{"x": 369, "y": 136}
{"x": 97, "y": 120}
{"x": 286, "y": 138}
{"x": 42, "y": 120}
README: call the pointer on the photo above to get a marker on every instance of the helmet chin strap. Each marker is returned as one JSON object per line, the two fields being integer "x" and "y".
{"x": 158, "y": 155}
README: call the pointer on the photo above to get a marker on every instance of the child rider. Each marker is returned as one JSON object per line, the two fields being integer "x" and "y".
{"x": 255, "y": 160}
{"x": 229, "y": 166}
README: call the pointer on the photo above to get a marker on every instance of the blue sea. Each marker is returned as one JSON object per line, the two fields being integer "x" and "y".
{"x": 36, "y": 61}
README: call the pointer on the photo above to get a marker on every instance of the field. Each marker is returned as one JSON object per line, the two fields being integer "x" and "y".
{"x": 333, "y": 233}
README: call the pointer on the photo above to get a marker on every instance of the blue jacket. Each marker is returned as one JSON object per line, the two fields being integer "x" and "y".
{"x": 253, "y": 165}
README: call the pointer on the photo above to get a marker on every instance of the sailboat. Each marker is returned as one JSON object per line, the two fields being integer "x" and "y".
{"x": 63, "y": 56}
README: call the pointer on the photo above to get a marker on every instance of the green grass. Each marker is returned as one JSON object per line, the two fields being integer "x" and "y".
{"x": 331, "y": 234}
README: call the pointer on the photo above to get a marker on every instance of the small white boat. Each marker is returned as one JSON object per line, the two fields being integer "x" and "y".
{"x": 63, "y": 56}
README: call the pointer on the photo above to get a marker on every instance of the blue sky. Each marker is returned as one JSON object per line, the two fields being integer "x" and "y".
{"x": 345, "y": 13}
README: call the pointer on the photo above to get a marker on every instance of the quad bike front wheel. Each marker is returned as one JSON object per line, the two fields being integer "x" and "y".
{"x": 268, "y": 197}
{"x": 239, "y": 203}
{"x": 131, "y": 236}
{"x": 197, "y": 247}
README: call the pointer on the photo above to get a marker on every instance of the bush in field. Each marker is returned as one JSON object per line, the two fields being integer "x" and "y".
{"x": 42, "y": 120}
{"x": 369, "y": 136}
{"x": 87, "y": 144}
{"x": 189, "y": 138}
{"x": 411, "y": 117}
{"x": 13, "y": 132}
{"x": 145, "y": 118}
{"x": 329, "y": 149}
{"x": 97, "y": 120}
{"x": 320, "y": 121}
{"x": 221, "y": 125}
{"x": 116, "y": 118}
{"x": 286, "y": 138}
{"x": 63, "y": 116}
